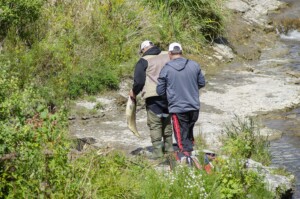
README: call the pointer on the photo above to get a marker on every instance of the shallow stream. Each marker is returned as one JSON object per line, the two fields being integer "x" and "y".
{"x": 286, "y": 150}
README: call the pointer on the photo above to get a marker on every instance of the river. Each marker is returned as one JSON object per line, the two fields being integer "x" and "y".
{"x": 286, "y": 150}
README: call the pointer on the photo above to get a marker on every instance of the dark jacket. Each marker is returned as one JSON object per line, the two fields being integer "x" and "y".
{"x": 180, "y": 80}
{"x": 156, "y": 104}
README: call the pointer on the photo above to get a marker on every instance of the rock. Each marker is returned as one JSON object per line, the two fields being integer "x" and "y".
{"x": 237, "y": 5}
{"x": 82, "y": 143}
{"x": 72, "y": 117}
{"x": 254, "y": 11}
{"x": 270, "y": 134}
{"x": 291, "y": 116}
{"x": 250, "y": 69}
{"x": 99, "y": 115}
{"x": 283, "y": 185}
{"x": 294, "y": 74}
{"x": 219, "y": 57}
{"x": 224, "y": 51}
{"x": 87, "y": 105}
{"x": 85, "y": 117}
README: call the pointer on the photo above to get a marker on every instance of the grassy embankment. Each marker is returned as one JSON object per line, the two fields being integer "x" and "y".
{"x": 55, "y": 51}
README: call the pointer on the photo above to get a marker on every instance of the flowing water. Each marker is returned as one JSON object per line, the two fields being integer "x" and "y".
{"x": 286, "y": 150}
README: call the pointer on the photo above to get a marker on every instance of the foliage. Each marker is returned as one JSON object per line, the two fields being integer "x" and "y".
{"x": 200, "y": 17}
{"x": 18, "y": 14}
{"x": 99, "y": 105}
{"x": 33, "y": 141}
{"x": 229, "y": 179}
{"x": 91, "y": 81}
{"x": 15, "y": 102}
{"x": 244, "y": 141}
{"x": 183, "y": 183}
{"x": 38, "y": 148}
{"x": 72, "y": 48}
{"x": 105, "y": 176}
{"x": 233, "y": 180}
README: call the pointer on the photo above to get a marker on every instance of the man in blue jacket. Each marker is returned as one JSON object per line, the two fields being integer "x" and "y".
{"x": 180, "y": 80}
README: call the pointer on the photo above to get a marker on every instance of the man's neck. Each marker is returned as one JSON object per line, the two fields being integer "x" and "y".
{"x": 176, "y": 56}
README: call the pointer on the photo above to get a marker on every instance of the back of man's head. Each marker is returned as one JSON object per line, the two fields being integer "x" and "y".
{"x": 145, "y": 44}
{"x": 175, "y": 48}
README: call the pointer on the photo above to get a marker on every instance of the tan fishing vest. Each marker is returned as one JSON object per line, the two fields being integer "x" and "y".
{"x": 155, "y": 64}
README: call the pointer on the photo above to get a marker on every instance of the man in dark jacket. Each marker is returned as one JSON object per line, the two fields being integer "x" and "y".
{"x": 146, "y": 73}
{"x": 180, "y": 80}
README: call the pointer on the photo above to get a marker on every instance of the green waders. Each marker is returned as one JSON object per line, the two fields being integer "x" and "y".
{"x": 160, "y": 133}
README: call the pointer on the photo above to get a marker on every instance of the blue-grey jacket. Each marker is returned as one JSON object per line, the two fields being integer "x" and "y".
{"x": 180, "y": 80}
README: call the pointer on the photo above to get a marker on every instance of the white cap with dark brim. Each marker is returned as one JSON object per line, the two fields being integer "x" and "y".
{"x": 145, "y": 44}
{"x": 175, "y": 47}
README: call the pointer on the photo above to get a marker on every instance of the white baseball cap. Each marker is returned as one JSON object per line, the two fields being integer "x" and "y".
{"x": 145, "y": 44}
{"x": 173, "y": 45}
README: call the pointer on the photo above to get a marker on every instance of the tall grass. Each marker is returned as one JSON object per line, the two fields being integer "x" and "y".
{"x": 201, "y": 17}
{"x": 73, "y": 48}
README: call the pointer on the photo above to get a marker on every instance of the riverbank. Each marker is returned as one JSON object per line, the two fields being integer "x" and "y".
{"x": 244, "y": 88}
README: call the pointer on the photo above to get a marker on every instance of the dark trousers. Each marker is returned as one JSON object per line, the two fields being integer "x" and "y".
{"x": 183, "y": 125}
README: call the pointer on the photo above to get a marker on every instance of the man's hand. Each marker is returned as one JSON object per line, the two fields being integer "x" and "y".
{"x": 131, "y": 94}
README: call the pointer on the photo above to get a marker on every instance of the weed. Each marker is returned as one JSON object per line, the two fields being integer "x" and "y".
{"x": 280, "y": 171}
{"x": 90, "y": 98}
{"x": 244, "y": 141}
{"x": 99, "y": 106}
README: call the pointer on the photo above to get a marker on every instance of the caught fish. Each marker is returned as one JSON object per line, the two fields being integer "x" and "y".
{"x": 131, "y": 116}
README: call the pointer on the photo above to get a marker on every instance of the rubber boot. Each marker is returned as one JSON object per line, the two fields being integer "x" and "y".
{"x": 157, "y": 150}
{"x": 168, "y": 144}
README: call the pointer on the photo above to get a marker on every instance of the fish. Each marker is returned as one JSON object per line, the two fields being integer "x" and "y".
{"x": 131, "y": 116}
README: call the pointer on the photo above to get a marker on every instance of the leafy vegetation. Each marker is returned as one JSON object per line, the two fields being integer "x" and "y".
{"x": 19, "y": 15}
{"x": 243, "y": 139}
{"x": 69, "y": 48}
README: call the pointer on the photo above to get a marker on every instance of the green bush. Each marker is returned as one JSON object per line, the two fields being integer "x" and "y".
{"x": 243, "y": 140}
{"x": 15, "y": 102}
{"x": 233, "y": 180}
{"x": 19, "y": 15}
{"x": 92, "y": 81}
{"x": 38, "y": 149}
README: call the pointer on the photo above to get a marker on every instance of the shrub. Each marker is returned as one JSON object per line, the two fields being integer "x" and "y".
{"x": 92, "y": 81}
{"x": 233, "y": 180}
{"x": 38, "y": 150}
{"x": 19, "y": 15}
{"x": 244, "y": 141}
